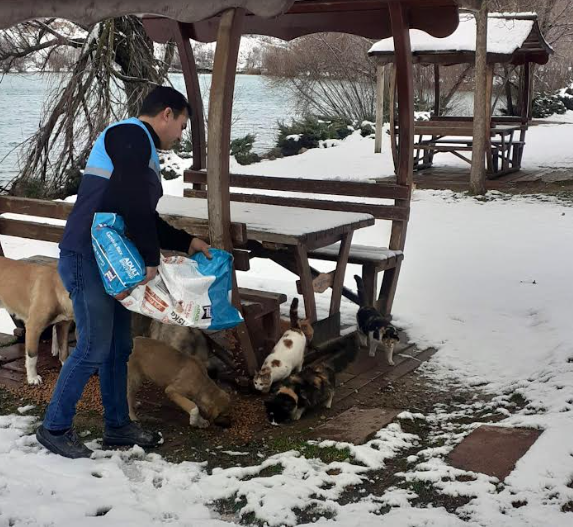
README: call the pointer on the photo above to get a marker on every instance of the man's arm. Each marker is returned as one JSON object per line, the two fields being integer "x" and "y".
{"x": 171, "y": 237}
{"x": 129, "y": 191}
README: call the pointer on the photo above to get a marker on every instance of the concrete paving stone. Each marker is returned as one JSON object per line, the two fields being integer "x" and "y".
{"x": 493, "y": 450}
{"x": 7, "y": 340}
{"x": 10, "y": 353}
{"x": 356, "y": 425}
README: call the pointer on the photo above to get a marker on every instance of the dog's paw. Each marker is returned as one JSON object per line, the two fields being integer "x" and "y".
{"x": 391, "y": 363}
{"x": 34, "y": 379}
{"x": 196, "y": 420}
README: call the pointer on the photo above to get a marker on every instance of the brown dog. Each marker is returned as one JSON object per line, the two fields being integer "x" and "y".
{"x": 183, "y": 377}
{"x": 35, "y": 294}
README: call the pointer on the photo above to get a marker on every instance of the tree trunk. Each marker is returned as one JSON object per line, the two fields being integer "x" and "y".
{"x": 481, "y": 113}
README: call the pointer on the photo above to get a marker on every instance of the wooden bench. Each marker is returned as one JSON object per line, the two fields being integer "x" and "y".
{"x": 23, "y": 226}
{"x": 283, "y": 192}
{"x": 373, "y": 260}
{"x": 262, "y": 309}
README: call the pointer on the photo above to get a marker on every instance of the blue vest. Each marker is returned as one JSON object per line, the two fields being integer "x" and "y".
{"x": 95, "y": 180}
{"x": 99, "y": 163}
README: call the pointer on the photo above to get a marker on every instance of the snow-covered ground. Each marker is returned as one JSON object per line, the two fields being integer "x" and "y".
{"x": 486, "y": 281}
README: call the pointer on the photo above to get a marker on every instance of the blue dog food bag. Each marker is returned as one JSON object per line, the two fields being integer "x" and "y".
{"x": 187, "y": 291}
{"x": 120, "y": 265}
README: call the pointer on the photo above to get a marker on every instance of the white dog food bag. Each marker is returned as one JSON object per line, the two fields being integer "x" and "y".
{"x": 188, "y": 291}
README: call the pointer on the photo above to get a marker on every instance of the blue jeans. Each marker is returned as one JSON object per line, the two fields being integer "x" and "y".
{"x": 103, "y": 345}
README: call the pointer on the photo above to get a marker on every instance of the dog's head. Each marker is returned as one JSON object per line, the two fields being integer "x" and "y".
{"x": 218, "y": 409}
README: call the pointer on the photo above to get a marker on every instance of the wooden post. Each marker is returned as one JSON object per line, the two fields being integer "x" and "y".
{"x": 392, "y": 117}
{"x": 193, "y": 95}
{"x": 480, "y": 127}
{"x": 488, "y": 94}
{"x": 380, "y": 83}
{"x": 219, "y": 139}
{"x": 526, "y": 93}
{"x": 405, "y": 153}
{"x": 437, "y": 95}
{"x": 219, "y": 132}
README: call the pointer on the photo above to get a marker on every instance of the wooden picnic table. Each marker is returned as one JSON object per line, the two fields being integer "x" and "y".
{"x": 456, "y": 136}
{"x": 286, "y": 235}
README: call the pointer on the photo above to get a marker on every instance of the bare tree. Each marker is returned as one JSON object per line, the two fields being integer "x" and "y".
{"x": 330, "y": 74}
{"x": 556, "y": 22}
{"x": 115, "y": 69}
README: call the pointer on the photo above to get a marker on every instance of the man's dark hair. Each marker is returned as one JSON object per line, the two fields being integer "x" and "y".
{"x": 164, "y": 97}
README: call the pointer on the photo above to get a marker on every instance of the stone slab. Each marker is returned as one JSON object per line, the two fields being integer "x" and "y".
{"x": 18, "y": 365}
{"x": 355, "y": 425}
{"x": 493, "y": 450}
{"x": 11, "y": 379}
{"x": 10, "y": 353}
{"x": 7, "y": 340}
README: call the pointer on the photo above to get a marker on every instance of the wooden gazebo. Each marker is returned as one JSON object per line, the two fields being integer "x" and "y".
{"x": 225, "y": 224}
{"x": 515, "y": 41}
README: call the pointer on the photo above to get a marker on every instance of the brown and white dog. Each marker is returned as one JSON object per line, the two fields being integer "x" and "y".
{"x": 184, "y": 379}
{"x": 35, "y": 294}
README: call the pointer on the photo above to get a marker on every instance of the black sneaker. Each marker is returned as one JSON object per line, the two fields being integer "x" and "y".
{"x": 66, "y": 445}
{"x": 129, "y": 435}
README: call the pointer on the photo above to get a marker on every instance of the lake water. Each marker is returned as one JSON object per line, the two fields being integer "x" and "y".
{"x": 257, "y": 107}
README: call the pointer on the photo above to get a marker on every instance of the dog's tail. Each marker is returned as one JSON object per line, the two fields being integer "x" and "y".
{"x": 294, "y": 323}
{"x": 361, "y": 293}
{"x": 343, "y": 357}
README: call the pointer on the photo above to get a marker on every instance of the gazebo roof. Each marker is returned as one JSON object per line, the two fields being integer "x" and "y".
{"x": 88, "y": 12}
{"x": 285, "y": 19}
{"x": 512, "y": 38}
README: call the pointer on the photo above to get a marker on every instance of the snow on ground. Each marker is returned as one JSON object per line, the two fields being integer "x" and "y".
{"x": 486, "y": 281}
{"x": 547, "y": 145}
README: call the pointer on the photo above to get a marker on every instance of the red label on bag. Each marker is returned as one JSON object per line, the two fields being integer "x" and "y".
{"x": 151, "y": 298}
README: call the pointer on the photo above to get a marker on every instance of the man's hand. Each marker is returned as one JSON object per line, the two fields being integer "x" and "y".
{"x": 198, "y": 245}
{"x": 150, "y": 274}
{"x": 122, "y": 295}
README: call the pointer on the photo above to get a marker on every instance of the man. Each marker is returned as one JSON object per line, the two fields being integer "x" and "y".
{"x": 122, "y": 176}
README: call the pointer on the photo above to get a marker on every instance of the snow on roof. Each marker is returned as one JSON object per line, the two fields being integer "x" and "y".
{"x": 506, "y": 33}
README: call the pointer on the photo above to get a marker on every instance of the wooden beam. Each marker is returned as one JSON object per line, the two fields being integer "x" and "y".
{"x": 35, "y": 207}
{"x": 338, "y": 282}
{"x": 404, "y": 160}
{"x": 405, "y": 95}
{"x": 488, "y": 112}
{"x": 219, "y": 134}
{"x": 61, "y": 210}
{"x": 193, "y": 95}
{"x": 380, "y": 212}
{"x": 31, "y": 230}
{"x": 526, "y": 91}
{"x": 392, "y": 116}
{"x": 480, "y": 127}
{"x": 308, "y": 186}
{"x": 437, "y": 90}
{"x": 380, "y": 82}
{"x": 220, "y": 113}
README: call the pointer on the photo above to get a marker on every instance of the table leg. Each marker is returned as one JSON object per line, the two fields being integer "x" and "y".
{"x": 303, "y": 267}
{"x": 338, "y": 281}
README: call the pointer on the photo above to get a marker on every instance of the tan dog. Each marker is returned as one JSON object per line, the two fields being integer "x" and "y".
{"x": 35, "y": 294}
{"x": 183, "y": 378}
